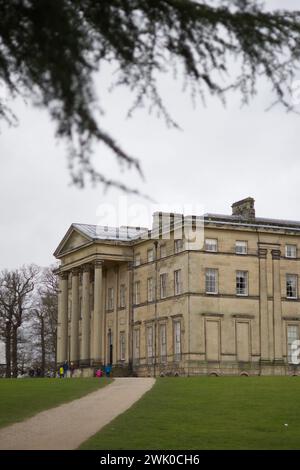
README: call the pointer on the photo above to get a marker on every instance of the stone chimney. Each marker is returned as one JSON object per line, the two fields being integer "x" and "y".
{"x": 244, "y": 209}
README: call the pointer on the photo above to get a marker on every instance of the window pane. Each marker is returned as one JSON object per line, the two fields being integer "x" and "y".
{"x": 163, "y": 285}
{"x": 178, "y": 244}
{"x": 241, "y": 247}
{"x": 150, "y": 344}
{"x": 177, "y": 282}
{"x": 136, "y": 349}
{"x": 177, "y": 341}
{"x": 150, "y": 289}
{"x": 292, "y": 335}
{"x": 291, "y": 285}
{"x": 291, "y": 251}
{"x": 211, "y": 244}
{"x": 163, "y": 343}
{"x": 163, "y": 251}
{"x": 150, "y": 255}
{"x": 211, "y": 281}
{"x": 242, "y": 283}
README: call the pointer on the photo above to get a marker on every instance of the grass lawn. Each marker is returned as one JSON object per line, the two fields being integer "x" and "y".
{"x": 21, "y": 398}
{"x": 209, "y": 413}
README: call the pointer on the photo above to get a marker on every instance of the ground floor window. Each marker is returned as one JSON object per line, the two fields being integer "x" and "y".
{"x": 149, "y": 333}
{"x": 177, "y": 341}
{"x": 292, "y": 335}
{"x": 122, "y": 345}
{"x": 136, "y": 345}
{"x": 163, "y": 343}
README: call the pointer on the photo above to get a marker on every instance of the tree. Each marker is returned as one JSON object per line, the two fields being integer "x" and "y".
{"x": 15, "y": 288}
{"x": 50, "y": 51}
{"x": 43, "y": 320}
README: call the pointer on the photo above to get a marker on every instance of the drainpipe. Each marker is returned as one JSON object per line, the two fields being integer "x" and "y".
{"x": 155, "y": 308}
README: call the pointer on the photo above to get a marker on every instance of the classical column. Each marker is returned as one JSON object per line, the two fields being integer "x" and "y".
{"x": 63, "y": 318}
{"x": 263, "y": 303}
{"x": 129, "y": 345}
{"x": 277, "y": 306}
{"x": 75, "y": 317}
{"x": 115, "y": 322}
{"x": 85, "y": 314}
{"x": 98, "y": 312}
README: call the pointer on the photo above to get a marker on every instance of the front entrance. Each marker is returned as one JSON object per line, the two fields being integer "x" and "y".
{"x": 109, "y": 347}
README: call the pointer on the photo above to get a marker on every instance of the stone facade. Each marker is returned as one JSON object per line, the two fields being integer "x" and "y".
{"x": 150, "y": 304}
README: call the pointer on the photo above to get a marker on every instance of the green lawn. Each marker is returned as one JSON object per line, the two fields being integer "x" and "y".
{"x": 21, "y": 398}
{"x": 209, "y": 413}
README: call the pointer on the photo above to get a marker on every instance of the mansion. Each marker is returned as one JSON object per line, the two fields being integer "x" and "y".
{"x": 164, "y": 301}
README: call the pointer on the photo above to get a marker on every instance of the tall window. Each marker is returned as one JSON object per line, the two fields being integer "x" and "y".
{"x": 150, "y": 255}
{"x": 122, "y": 295}
{"x": 241, "y": 247}
{"x": 163, "y": 251}
{"x": 163, "y": 285}
{"x": 292, "y": 335}
{"x": 136, "y": 292}
{"x": 163, "y": 342}
{"x": 292, "y": 286}
{"x": 149, "y": 332}
{"x": 110, "y": 298}
{"x": 177, "y": 282}
{"x": 211, "y": 244}
{"x": 211, "y": 281}
{"x": 242, "y": 283}
{"x": 136, "y": 345}
{"x": 122, "y": 346}
{"x": 178, "y": 245}
{"x": 137, "y": 259}
{"x": 177, "y": 341}
{"x": 150, "y": 293}
{"x": 291, "y": 251}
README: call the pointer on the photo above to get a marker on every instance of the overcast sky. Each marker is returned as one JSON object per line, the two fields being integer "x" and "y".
{"x": 220, "y": 156}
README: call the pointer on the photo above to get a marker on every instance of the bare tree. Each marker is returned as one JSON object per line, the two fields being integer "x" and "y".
{"x": 43, "y": 319}
{"x": 15, "y": 289}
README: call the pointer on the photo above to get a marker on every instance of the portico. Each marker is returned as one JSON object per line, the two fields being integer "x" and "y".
{"x": 83, "y": 314}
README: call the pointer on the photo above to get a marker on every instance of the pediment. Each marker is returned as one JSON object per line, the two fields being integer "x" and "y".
{"x": 73, "y": 240}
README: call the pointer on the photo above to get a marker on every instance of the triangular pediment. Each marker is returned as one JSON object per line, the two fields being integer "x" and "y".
{"x": 73, "y": 240}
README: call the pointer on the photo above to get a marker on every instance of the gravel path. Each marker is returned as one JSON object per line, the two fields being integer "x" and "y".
{"x": 68, "y": 425}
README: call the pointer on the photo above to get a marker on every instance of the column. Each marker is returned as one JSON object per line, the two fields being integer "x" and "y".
{"x": 98, "y": 312}
{"x": 263, "y": 304}
{"x": 277, "y": 306}
{"x": 129, "y": 345}
{"x": 115, "y": 322}
{"x": 74, "y": 356}
{"x": 63, "y": 318}
{"x": 85, "y": 322}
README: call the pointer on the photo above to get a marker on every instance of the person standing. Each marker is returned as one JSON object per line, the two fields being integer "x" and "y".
{"x": 61, "y": 372}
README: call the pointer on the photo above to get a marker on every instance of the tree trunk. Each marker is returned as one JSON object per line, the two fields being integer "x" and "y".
{"x": 8, "y": 350}
{"x": 43, "y": 345}
{"x": 15, "y": 351}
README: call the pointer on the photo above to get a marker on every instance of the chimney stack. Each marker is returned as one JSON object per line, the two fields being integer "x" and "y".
{"x": 244, "y": 209}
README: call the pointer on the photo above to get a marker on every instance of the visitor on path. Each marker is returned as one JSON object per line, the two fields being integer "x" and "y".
{"x": 66, "y": 368}
{"x": 98, "y": 373}
{"x": 61, "y": 372}
{"x": 108, "y": 370}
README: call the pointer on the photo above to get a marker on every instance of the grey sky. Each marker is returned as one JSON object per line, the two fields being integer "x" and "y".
{"x": 221, "y": 155}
